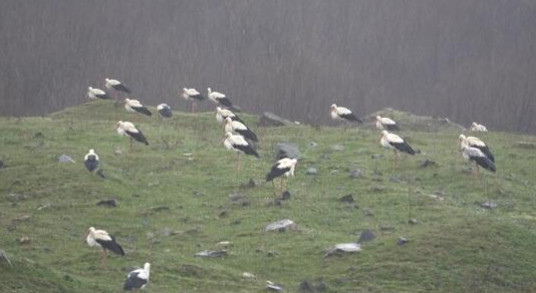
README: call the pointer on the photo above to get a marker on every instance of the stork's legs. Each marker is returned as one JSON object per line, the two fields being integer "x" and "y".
{"x": 103, "y": 259}
{"x": 130, "y": 138}
{"x": 237, "y": 162}
{"x": 475, "y": 172}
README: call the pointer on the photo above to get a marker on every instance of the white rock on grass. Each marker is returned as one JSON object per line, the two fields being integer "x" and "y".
{"x": 281, "y": 226}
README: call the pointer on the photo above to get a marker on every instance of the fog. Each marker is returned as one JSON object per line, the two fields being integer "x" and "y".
{"x": 468, "y": 60}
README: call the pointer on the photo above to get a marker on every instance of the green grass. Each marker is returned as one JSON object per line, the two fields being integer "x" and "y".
{"x": 456, "y": 246}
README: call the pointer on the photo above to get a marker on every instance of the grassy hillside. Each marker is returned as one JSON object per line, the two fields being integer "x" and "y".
{"x": 174, "y": 202}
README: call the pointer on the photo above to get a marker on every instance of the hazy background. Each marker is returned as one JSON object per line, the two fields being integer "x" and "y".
{"x": 463, "y": 59}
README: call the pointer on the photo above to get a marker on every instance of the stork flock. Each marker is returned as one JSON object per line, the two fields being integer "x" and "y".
{"x": 241, "y": 139}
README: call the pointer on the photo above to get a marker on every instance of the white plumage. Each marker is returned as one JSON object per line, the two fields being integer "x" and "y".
{"x": 101, "y": 238}
{"x": 135, "y": 106}
{"x": 342, "y": 113}
{"x": 475, "y": 142}
{"x": 91, "y": 162}
{"x": 386, "y": 123}
{"x": 192, "y": 95}
{"x": 221, "y": 114}
{"x": 164, "y": 110}
{"x": 396, "y": 143}
{"x": 219, "y": 99}
{"x": 238, "y": 144}
{"x": 116, "y": 85}
{"x": 138, "y": 278}
{"x": 283, "y": 167}
{"x": 95, "y": 93}
{"x": 128, "y": 129}
{"x": 475, "y": 127}
{"x": 480, "y": 158}
{"x": 237, "y": 127}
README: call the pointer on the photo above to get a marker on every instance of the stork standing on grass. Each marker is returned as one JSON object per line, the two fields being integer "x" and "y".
{"x": 344, "y": 114}
{"x": 95, "y": 93}
{"x": 396, "y": 143}
{"x": 476, "y": 155}
{"x": 102, "y": 239}
{"x": 116, "y": 85}
{"x": 92, "y": 163}
{"x": 220, "y": 99}
{"x": 240, "y": 145}
{"x": 138, "y": 278}
{"x": 128, "y": 129}
{"x": 240, "y": 128}
{"x": 164, "y": 110}
{"x": 475, "y": 127}
{"x": 193, "y": 96}
{"x": 475, "y": 142}
{"x": 282, "y": 168}
{"x": 135, "y": 106}
{"x": 221, "y": 114}
{"x": 386, "y": 123}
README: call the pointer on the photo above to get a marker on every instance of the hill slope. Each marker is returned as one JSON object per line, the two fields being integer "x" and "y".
{"x": 174, "y": 202}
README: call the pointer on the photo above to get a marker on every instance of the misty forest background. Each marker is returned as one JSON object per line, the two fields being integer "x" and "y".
{"x": 462, "y": 59}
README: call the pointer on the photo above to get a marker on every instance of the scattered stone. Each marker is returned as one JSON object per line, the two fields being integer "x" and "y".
{"x": 333, "y": 172}
{"x": 222, "y": 214}
{"x": 38, "y": 135}
{"x": 286, "y": 150}
{"x": 159, "y": 208}
{"x": 428, "y": 163}
{"x": 4, "y": 258}
{"x": 379, "y": 188}
{"x": 525, "y": 145}
{"x": 44, "y": 206}
{"x": 211, "y": 253}
{"x": 437, "y": 196}
{"x": 366, "y": 236}
{"x": 337, "y": 147}
{"x": 65, "y": 159}
{"x": 22, "y": 218}
{"x": 24, "y": 240}
{"x": 489, "y": 205}
{"x": 285, "y": 195}
{"x": 321, "y": 287}
{"x": 311, "y": 171}
{"x": 224, "y": 244}
{"x": 108, "y": 202}
{"x": 273, "y": 286}
{"x": 1, "y": 164}
{"x": 118, "y": 151}
{"x": 15, "y": 197}
{"x": 306, "y": 287}
{"x": 312, "y": 144}
{"x": 251, "y": 183}
{"x": 272, "y": 253}
{"x": 197, "y": 193}
{"x": 342, "y": 248}
{"x": 401, "y": 241}
{"x": 377, "y": 156}
{"x": 387, "y": 228}
{"x": 369, "y": 213}
{"x": 250, "y": 276}
{"x": 281, "y": 226}
{"x": 356, "y": 173}
{"x": 347, "y": 198}
{"x": 412, "y": 221}
{"x": 166, "y": 232}
{"x": 269, "y": 119}
{"x": 239, "y": 199}
{"x": 395, "y": 179}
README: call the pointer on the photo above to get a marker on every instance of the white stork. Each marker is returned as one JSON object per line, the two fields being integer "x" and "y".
{"x": 138, "y": 278}
{"x": 95, "y": 93}
{"x": 475, "y": 127}
{"x": 240, "y": 128}
{"x": 116, "y": 85}
{"x": 135, "y": 106}
{"x": 192, "y": 95}
{"x": 344, "y": 114}
{"x": 220, "y": 99}
{"x": 238, "y": 144}
{"x": 386, "y": 123}
{"x": 102, "y": 239}
{"x": 476, "y": 155}
{"x": 221, "y": 114}
{"x": 475, "y": 142}
{"x": 164, "y": 110}
{"x": 128, "y": 129}
{"x": 91, "y": 161}
{"x": 283, "y": 168}
{"x": 396, "y": 143}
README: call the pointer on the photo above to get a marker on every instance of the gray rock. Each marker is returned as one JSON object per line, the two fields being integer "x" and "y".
{"x": 342, "y": 248}
{"x": 273, "y": 286}
{"x": 395, "y": 179}
{"x": 489, "y": 205}
{"x": 306, "y": 287}
{"x": 337, "y": 147}
{"x": 366, "y": 236}
{"x": 401, "y": 241}
{"x": 525, "y": 145}
{"x": 1, "y": 164}
{"x": 211, "y": 253}
{"x": 347, "y": 198}
{"x": 412, "y": 221}
{"x": 428, "y": 163}
{"x": 269, "y": 119}
{"x": 65, "y": 159}
{"x": 4, "y": 258}
{"x": 286, "y": 150}
{"x": 356, "y": 173}
{"x": 311, "y": 171}
{"x": 108, "y": 202}
{"x": 285, "y": 195}
{"x": 281, "y": 226}
{"x": 312, "y": 144}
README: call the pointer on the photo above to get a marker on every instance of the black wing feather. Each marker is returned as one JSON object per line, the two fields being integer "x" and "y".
{"x": 142, "y": 110}
{"x": 391, "y": 127}
{"x": 138, "y": 136}
{"x": 351, "y": 117}
{"x": 247, "y": 149}
{"x": 486, "y": 152}
{"x": 104, "y": 97}
{"x": 91, "y": 164}
{"x": 133, "y": 282}
{"x": 248, "y": 134}
{"x": 166, "y": 112}
{"x": 485, "y": 163}
{"x": 276, "y": 172}
{"x": 111, "y": 245}
{"x": 404, "y": 147}
{"x": 120, "y": 87}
